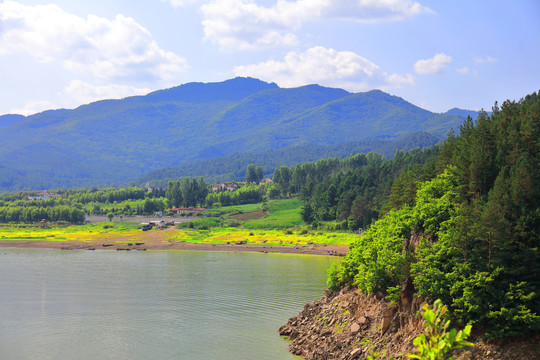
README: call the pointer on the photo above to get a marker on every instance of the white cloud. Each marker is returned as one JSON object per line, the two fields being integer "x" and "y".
{"x": 34, "y": 106}
{"x": 434, "y": 65}
{"x": 487, "y": 59}
{"x": 243, "y": 24}
{"x": 396, "y": 80}
{"x": 117, "y": 49}
{"x": 84, "y": 92}
{"x": 327, "y": 67}
{"x": 464, "y": 70}
{"x": 183, "y": 3}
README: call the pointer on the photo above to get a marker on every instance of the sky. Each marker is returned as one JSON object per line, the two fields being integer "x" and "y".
{"x": 435, "y": 54}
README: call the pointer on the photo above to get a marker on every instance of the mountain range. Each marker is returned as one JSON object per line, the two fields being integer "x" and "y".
{"x": 119, "y": 141}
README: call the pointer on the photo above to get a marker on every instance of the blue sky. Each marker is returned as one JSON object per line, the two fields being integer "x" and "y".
{"x": 435, "y": 54}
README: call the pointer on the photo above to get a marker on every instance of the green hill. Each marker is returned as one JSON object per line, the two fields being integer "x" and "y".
{"x": 233, "y": 166}
{"x": 117, "y": 141}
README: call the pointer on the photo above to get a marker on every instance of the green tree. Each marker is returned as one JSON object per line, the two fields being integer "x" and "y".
{"x": 251, "y": 174}
{"x": 259, "y": 174}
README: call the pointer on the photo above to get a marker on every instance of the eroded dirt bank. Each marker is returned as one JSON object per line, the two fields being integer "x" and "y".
{"x": 350, "y": 325}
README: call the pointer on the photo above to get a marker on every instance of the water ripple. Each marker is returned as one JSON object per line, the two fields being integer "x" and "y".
{"x": 151, "y": 305}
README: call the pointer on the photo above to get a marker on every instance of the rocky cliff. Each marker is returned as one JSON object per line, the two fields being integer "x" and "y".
{"x": 349, "y": 325}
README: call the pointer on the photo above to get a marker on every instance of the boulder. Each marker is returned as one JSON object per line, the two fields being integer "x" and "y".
{"x": 355, "y": 328}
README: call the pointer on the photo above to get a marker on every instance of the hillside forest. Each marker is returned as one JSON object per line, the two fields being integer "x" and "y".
{"x": 470, "y": 235}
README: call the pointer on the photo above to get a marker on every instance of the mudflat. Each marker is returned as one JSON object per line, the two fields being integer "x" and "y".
{"x": 158, "y": 240}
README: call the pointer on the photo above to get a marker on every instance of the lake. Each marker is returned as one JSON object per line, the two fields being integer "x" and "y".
{"x": 184, "y": 305}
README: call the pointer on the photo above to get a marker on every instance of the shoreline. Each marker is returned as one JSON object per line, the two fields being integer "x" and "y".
{"x": 157, "y": 241}
{"x": 330, "y": 250}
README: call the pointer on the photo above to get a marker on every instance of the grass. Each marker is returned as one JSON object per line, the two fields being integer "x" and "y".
{"x": 260, "y": 236}
{"x": 283, "y": 214}
{"x": 234, "y": 209}
{"x": 87, "y": 232}
{"x": 281, "y": 224}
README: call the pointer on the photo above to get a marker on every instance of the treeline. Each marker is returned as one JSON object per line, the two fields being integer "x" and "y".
{"x": 471, "y": 235}
{"x": 34, "y": 214}
{"x": 351, "y": 191}
{"x": 248, "y": 194}
{"x": 187, "y": 192}
{"x": 110, "y": 195}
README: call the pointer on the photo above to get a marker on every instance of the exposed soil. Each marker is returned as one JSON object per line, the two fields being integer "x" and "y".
{"x": 350, "y": 325}
{"x": 159, "y": 240}
{"x": 250, "y": 215}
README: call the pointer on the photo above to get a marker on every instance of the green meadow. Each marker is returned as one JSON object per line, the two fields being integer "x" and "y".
{"x": 277, "y": 222}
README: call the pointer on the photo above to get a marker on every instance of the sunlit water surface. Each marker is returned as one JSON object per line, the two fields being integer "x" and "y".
{"x": 183, "y": 305}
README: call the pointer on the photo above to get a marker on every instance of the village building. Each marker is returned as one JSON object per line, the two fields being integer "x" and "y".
{"x": 44, "y": 195}
{"x": 187, "y": 210}
{"x": 227, "y": 186}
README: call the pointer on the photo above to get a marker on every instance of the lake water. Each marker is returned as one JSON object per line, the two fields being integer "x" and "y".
{"x": 183, "y": 305}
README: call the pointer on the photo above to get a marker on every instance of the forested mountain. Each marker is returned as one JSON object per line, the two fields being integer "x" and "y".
{"x": 233, "y": 167}
{"x": 116, "y": 141}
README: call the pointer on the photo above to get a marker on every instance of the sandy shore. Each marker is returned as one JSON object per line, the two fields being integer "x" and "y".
{"x": 156, "y": 240}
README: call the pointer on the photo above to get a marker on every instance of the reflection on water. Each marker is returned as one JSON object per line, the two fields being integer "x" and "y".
{"x": 151, "y": 305}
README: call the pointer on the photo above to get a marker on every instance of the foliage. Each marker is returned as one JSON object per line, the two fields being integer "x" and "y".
{"x": 187, "y": 192}
{"x": 471, "y": 235}
{"x": 248, "y": 194}
{"x": 34, "y": 214}
{"x": 352, "y": 191}
{"x": 437, "y": 342}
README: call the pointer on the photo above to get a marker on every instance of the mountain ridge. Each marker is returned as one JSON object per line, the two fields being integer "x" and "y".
{"x": 117, "y": 141}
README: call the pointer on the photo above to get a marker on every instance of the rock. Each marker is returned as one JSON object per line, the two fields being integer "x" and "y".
{"x": 387, "y": 319}
{"x": 362, "y": 320}
{"x": 355, "y": 328}
{"x": 328, "y": 293}
{"x": 355, "y": 353}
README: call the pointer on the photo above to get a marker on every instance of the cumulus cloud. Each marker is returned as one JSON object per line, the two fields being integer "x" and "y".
{"x": 243, "y": 24}
{"x": 84, "y": 92}
{"x": 116, "y": 49}
{"x": 434, "y": 65}
{"x": 344, "y": 69}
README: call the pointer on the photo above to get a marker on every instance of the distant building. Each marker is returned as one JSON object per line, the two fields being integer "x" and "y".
{"x": 186, "y": 210}
{"x": 44, "y": 195}
{"x": 227, "y": 186}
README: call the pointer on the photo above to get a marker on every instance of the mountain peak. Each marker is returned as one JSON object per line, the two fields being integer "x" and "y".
{"x": 197, "y": 92}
